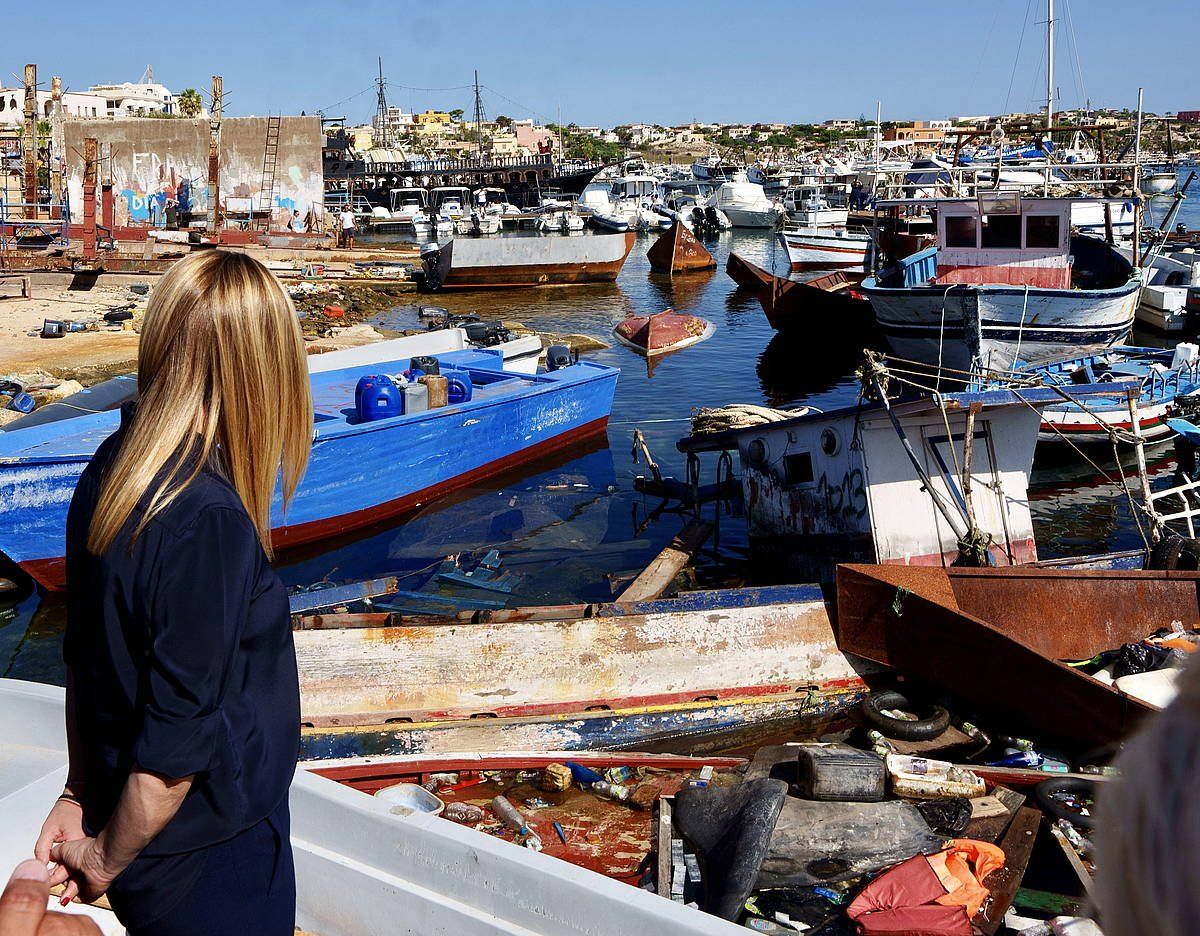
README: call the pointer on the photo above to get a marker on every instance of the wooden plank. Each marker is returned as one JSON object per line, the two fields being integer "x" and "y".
{"x": 1073, "y": 859}
{"x": 1017, "y": 844}
{"x": 993, "y": 828}
{"x": 661, "y": 571}
{"x": 665, "y": 826}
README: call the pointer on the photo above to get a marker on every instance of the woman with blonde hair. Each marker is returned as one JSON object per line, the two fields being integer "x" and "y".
{"x": 182, "y": 694}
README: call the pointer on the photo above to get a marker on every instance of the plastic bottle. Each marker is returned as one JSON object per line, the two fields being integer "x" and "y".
{"x": 613, "y": 791}
{"x": 507, "y": 813}
{"x": 1027, "y": 759}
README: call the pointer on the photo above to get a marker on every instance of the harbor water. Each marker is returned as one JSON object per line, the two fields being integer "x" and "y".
{"x": 574, "y": 528}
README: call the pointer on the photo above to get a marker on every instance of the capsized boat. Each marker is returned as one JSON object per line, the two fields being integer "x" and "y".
{"x": 365, "y": 862}
{"x": 516, "y": 261}
{"x": 1012, "y": 283}
{"x": 1001, "y": 638}
{"x": 677, "y": 251}
{"x": 662, "y": 332}
{"x": 359, "y": 472}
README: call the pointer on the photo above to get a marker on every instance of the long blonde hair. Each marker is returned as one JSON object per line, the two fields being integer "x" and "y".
{"x": 221, "y": 371}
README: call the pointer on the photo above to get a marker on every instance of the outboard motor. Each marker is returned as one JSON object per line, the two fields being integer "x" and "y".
{"x": 558, "y": 356}
{"x": 486, "y": 334}
{"x": 431, "y": 255}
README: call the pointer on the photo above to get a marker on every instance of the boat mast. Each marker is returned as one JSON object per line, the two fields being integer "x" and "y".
{"x": 381, "y": 110}
{"x": 478, "y": 120}
{"x": 1049, "y": 68}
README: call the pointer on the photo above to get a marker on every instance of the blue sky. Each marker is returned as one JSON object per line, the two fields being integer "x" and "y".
{"x": 604, "y": 63}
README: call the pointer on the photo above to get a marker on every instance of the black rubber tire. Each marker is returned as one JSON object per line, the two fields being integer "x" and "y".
{"x": 1175, "y": 553}
{"x": 1044, "y": 792}
{"x": 933, "y": 720}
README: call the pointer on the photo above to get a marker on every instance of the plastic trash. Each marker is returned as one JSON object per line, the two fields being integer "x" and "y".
{"x": 464, "y": 813}
{"x": 922, "y": 778}
{"x": 1022, "y": 759}
{"x": 838, "y": 772}
{"x": 1157, "y": 687}
{"x": 612, "y": 791}
{"x": 946, "y": 816}
{"x": 411, "y": 796}
{"x": 583, "y": 775}
{"x": 556, "y": 777}
{"x": 507, "y": 813}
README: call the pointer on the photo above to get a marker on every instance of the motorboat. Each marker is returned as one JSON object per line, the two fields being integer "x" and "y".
{"x": 714, "y": 169}
{"x": 817, "y": 205}
{"x": 450, "y": 201}
{"x": 635, "y": 200}
{"x": 746, "y": 204}
{"x": 493, "y": 202}
{"x": 824, "y": 248}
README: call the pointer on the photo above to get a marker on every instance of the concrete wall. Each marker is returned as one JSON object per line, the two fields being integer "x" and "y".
{"x": 157, "y": 159}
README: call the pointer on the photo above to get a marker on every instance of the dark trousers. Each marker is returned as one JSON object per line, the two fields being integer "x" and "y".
{"x": 247, "y": 885}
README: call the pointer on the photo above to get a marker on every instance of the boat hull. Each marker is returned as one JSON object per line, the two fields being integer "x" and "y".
{"x": 603, "y": 676}
{"x": 357, "y": 475}
{"x": 751, "y": 217}
{"x": 522, "y": 262}
{"x": 935, "y": 324}
{"x": 677, "y": 251}
{"x": 824, "y": 250}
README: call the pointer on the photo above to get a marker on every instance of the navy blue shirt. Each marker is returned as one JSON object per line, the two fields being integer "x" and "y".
{"x": 181, "y": 654}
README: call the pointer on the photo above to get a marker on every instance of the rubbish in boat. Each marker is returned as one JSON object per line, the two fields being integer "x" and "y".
{"x": 556, "y": 777}
{"x": 464, "y": 813}
{"x": 1030, "y": 759}
{"x": 620, "y": 774}
{"x": 438, "y": 388}
{"x": 892, "y": 714}
{"x": 912, "y": 896}
{"x": 1068, "y": 798}
{"x": 558, "y": 830}
{"x": 949, "y": 815}
{"x": 511, "y": 817}
{"x": 487, "y": 574}
{"x": 323, "y": 595}
{"x": 879, "y": 744}
{"x": 412, "y": 796}
{"x": 662, "y": 332}
{"x": 703, "y": 778}
{"x": 838, "y": 772}
{"x": 536, "y": 802}
{"x": 923, "y": 778}
{"x": 612, "y": 791}
{"x": 731, "y": 827}
{"x": 864, "y": 837}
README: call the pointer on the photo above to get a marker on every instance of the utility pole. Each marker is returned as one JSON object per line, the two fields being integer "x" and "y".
{"x": 29, "y": 144}
{"x": 214, "y": 156}
{"x": 57, "y": 149}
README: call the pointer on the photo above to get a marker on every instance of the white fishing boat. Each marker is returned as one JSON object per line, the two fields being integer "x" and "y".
{"x": 364, "y": 865}
{"x": 811, "y": 205}
{"x": 1159, "y": 182}
{"x": 1005, "y": 280}
{"x": 746, "y": 204}
{"x": 714, "y": 169}
{"x": 827, "y": 248}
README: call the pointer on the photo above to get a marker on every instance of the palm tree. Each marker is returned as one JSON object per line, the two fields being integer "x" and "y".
{"x": 189, "y": 102}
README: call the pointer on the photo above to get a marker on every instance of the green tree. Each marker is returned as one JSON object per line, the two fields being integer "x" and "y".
{"x": 457, "y": 113}
{"x": 189, "y": 102}
{"x": 503, "y": 121}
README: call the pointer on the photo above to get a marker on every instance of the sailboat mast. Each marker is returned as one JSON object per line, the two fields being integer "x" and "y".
{"x": 1049, "y": 66}
{"x": 478, "y": 119}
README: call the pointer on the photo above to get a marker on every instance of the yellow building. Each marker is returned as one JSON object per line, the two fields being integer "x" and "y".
{"x": 433, "y": 117}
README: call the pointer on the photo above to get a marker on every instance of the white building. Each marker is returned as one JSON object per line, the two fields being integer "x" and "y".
{"x": 135, "y": 99}
{"x": 74, "y": 103}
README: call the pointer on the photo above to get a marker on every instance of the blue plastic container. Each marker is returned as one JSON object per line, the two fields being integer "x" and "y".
{"x": 377, "y": 397}
{"x": 459, "y": 388}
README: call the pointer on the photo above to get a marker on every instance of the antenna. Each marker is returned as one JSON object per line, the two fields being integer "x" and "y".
{"x": 381, "y": 127}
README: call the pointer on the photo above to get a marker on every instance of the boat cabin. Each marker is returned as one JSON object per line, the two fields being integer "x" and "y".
{"x": 635, "y": 187}
{"x": 408, "y": 200}
{"x": 450, "y": 198}
{"x": 489, "y": 197}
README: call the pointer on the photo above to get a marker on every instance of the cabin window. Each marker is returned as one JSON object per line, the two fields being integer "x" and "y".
{"x": 1042, "y": 231}
{"x": 1003, "y": 231}
{"x": 797, "y": 469}
{"x": 960, "y": 231}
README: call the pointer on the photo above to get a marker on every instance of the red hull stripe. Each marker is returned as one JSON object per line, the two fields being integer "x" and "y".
{"x": 51, "y": 573}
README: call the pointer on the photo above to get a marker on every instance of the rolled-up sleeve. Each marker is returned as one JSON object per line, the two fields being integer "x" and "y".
{"x": 201, "y": 595}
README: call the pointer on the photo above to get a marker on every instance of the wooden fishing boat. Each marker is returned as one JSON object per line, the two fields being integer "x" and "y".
{"x": 662, "y": 332}
{"x": 997, "y": 637}
{"x": 616, "y": 675}
{"x": 525, "y": 261}
{"x": 746, "y": 274}
{"x": 830, "y": 304}
{"x": 363, "y": 863}
{"x": 359, "y": 472}
{"x": 678, "y": 251}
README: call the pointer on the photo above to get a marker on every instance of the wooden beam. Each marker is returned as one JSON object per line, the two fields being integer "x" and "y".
{"x": 665, "y": 827}
{"x": 1018, "y": 846}
{"x": 658, "y": 575}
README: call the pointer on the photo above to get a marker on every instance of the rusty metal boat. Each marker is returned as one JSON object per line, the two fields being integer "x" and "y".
{"x": 998, "y": 637}
{"x": 678, "y": 251}
{"x": 662, "y": 332}
{"x": 520, "y": 261}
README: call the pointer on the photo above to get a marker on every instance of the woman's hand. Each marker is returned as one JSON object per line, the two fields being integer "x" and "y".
{"x": 83, "y": 868}
{"x": 64, "y": 824}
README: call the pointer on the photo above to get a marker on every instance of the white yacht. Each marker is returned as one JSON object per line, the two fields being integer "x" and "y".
{"x": 633, "y": 200}
{"x": 407, "y": 203}
{"x": 714, "y": 169}
{"x": 746, "y": 204}
{"x": 816, "y": 205}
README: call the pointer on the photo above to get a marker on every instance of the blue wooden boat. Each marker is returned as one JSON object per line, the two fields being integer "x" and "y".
{"x": 359, "y": 473}
{"x": 1157, "y": 377}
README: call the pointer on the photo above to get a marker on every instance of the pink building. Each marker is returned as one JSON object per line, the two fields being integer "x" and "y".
{"x": 535, "y": 138}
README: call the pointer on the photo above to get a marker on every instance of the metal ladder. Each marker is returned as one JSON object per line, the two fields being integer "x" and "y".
{"x": 267, "y": 189}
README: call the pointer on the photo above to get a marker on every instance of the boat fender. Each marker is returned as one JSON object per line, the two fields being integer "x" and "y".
{"x": 931, "y": 722}
{"x": 557, "y": 357}
{"x": 1047, "y": 793}
{"x": 1175, "y": 553}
